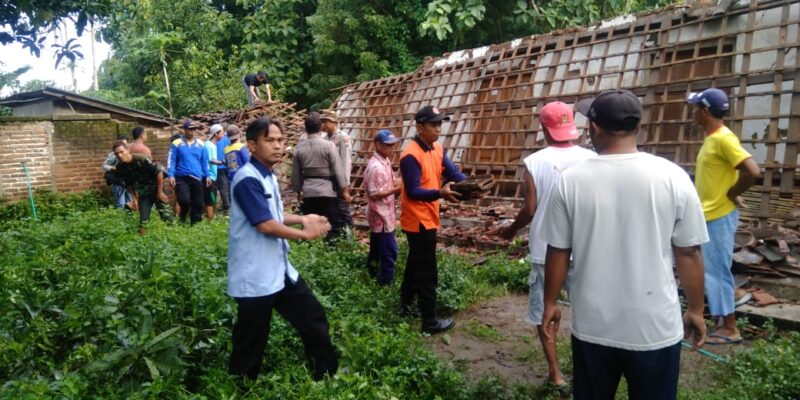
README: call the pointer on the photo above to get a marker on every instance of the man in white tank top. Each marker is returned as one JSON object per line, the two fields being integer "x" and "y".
{"x": 542, "y": 170}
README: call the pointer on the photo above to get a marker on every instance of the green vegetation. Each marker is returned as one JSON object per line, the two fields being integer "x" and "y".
{"x": 188, "y": 56}
{"x": 89, "y": 309}
{"x": 483, "y": 332}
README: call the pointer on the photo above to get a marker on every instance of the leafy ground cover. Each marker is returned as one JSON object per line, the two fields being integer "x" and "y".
{"x": 89, "y": 309}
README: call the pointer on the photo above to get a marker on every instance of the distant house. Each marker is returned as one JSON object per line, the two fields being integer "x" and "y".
{"x": 63, "y": 138}
{"x": 53, "y": 101}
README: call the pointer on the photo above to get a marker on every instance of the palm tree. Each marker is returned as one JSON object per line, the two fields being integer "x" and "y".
{"x": 70, "y": 51}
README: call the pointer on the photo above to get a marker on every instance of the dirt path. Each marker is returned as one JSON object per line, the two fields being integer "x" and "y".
{"x": 493, "y": 339}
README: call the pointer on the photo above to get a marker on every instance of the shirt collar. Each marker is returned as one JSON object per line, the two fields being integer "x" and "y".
{"x": 382, "y": 158}
{"x": 422, "y": 144}
{"x": 262, "y": 169}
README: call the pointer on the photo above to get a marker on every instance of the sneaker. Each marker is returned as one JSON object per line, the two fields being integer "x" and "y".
{"x": 438, "y": 325}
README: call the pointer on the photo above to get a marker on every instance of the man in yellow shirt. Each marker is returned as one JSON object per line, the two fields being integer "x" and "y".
{"x": 724, "y": 171}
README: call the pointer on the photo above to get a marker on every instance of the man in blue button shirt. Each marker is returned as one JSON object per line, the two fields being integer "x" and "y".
{"x": 260, "y": 276}
{"x": 187, "y": 169}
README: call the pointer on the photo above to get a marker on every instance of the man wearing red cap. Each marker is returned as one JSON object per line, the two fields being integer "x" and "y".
{"x": 542, "y": 170}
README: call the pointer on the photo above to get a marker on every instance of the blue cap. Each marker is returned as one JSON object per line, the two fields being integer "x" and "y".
{"x": 386, "y": 136}
{"x": 189, "y": 124}
{"x": 715, "y": 100}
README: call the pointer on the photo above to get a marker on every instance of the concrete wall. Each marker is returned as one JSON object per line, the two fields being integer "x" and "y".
{"x": 64, "y": 153}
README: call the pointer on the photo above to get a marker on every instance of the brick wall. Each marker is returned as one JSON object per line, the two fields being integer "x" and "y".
{"x": 63, "y": 152}
{"x": 24, "y": 141}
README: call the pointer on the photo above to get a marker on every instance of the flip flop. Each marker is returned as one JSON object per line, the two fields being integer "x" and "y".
{"x": 744, "y": 299}
{"x": 724, "y": 339}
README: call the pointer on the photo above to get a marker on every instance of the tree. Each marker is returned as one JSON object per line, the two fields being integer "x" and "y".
{"x": 170, "y": 58}
{"x": 69, "y": 51}
{"x": 27, "y": 22}
{"x": 10, "y": 79}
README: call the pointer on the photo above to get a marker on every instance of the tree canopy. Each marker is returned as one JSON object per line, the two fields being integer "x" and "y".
{"x": 189, "y": 56}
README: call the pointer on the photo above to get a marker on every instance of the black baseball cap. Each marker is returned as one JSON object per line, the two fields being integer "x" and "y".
{"x": 430, "y": 114}
{"x": 615, "y": 110}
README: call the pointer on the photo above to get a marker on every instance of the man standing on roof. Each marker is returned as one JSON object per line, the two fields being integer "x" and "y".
{"x": 340, "y": 139}
{"x": 315, "y": 168}
{"x": 542, "y": 172}
{"x": 188, "y": 172}
{"x": 724, "y": 171}
{"x": 627, "y": 217}
{"x": 425, "y": 168}
{"x": 252, "y": 82}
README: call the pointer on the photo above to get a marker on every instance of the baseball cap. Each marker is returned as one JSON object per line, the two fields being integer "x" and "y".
{"x": 557, "y": 118}
{"x": 430, "y": 114}
{"x": 189, "y": 124}
{"x": 329, "y": 115}
{"x": 386, "y": 136}
{"x": 615, "y": 110}
{"x": 216, "y": 128}
{"x": 715, "y": 100}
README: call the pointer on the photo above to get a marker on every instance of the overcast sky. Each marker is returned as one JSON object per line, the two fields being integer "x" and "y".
{"x": 43, "y": 67}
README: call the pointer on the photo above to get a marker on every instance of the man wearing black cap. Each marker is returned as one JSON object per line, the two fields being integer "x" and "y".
{"x": 425, "y": 167}
{"x": 625, "y": 217}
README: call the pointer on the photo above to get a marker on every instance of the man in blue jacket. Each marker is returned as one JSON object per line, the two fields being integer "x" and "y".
{"x": 188, "y": 172}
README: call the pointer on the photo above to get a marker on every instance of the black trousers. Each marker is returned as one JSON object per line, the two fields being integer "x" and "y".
{"x": 328, "y": 207}
{"x": 344, "y": 209}
{"x": 421, "y": 275}
{"x": 650, "y": 374}
{"x": 224, "y": 187}
{"x": 344, "y": 213}
{"x": 298, "y": 305}
{"x": 189, "y": 192}
{"x": 146, "y": 203}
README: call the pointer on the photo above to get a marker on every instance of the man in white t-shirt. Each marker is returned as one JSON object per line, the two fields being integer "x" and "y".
{"x": 542, "y": 170}
{"x": 625, "y": 217}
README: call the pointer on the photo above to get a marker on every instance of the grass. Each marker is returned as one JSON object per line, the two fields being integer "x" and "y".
{"x": 89, "y": 309}
{"x": 483, "y": 332}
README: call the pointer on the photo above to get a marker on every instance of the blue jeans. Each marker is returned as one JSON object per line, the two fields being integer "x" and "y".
{"x": 383, "y": 250}
{"x": 121, "y": 196}
{"x": 718, "y": 258}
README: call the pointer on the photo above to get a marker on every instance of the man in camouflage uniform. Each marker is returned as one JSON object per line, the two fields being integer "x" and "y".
{"x": 145, "y": 182}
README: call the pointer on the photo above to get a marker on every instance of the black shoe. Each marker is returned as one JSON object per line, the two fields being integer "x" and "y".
{"x": 408, "y": 311}
{"x": 438, "y": 325}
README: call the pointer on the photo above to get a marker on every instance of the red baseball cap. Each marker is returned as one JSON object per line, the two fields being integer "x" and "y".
{"x": 557, "y": 118}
